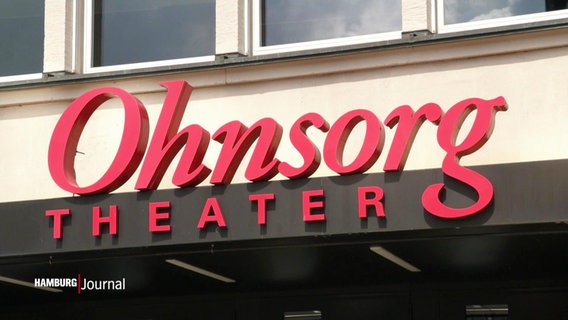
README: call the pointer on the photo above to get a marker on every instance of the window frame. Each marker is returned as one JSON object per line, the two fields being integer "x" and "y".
{"x": 259, "y": 49}
{"x": 27, "y": 76}
{"x": 21, "y": 77}
{"x": 88, "y": 53}
{"x": 497, "y": 22}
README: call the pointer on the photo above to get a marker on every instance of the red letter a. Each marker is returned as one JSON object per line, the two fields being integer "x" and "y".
{"x": 211, "y": 206}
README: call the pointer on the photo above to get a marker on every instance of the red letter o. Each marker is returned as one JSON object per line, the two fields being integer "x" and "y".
{"x": 65, "y": 138}
{"x": 337, "y": 137}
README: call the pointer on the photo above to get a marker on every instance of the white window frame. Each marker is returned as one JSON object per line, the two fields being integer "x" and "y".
{"x": 497, "y": 22}
{"x": 25, "y": 76}
{"x": 88, "y": 51}
{"x": 258, "y": 49}
{"x": 21, "y": 77}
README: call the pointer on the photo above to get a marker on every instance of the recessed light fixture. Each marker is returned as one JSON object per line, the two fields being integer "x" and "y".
{"x": 486, "y": 311}
{"x": 394, "y": 259}
{"x": 201, "y": 271}
{"x": 303, "y": 315}
{"x": 28, "y": 284}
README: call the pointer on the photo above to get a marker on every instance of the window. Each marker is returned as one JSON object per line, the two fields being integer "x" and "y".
{"x": 21, "y": 39}
{"x": 467, "y": 14}
{"x": 130, "y": 34}
{"x": 286, "y": 25}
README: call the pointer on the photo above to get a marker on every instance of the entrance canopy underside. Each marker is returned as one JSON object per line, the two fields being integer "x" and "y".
{"x": 513, "y": 253}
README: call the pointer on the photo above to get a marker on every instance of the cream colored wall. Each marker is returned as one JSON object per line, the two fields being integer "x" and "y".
{"x": 530, "y": 71}
{"x": 417, "y": 15}
{"x": 229, "y": 28}
{"x": 58, "y": 41}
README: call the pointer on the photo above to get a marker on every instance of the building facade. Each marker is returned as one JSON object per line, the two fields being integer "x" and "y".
{"x": 271, "y": 159}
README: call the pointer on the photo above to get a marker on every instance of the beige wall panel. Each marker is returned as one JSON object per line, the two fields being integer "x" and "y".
{"x": 416, "y": 15}
{"x": 534, "y": 84}
{"x": 58, "y": 40}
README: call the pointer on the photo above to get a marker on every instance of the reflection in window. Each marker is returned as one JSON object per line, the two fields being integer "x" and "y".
{"x": 458, "y": 11}
{"x": 127, "y": 31}
{"x": 291, "y": 21}
{"x": 21, "y": 37}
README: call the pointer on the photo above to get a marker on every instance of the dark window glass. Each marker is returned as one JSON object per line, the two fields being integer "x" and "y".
{"x": 458, "y": 11}
{"x": 21, "y": 37}
{"x": 290, "y": 21}
{"x": 127, "y": 31}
